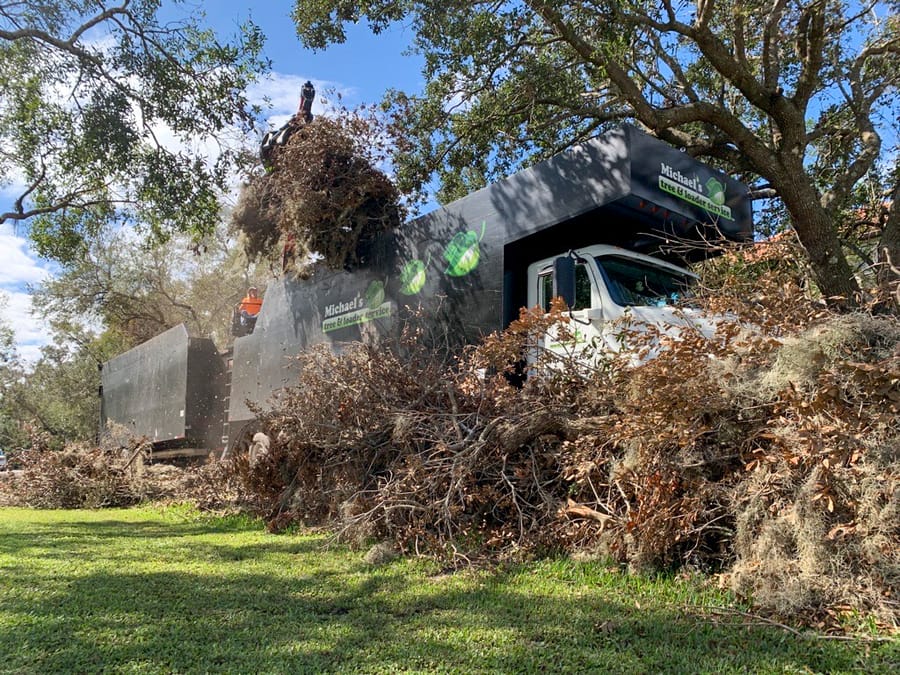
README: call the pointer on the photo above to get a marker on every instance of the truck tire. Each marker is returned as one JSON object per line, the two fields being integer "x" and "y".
{"x": 244, "y": 440}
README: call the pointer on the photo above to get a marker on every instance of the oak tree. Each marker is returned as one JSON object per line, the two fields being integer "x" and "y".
{"x": 117, "y": 111}
{"x": 136, "y": 290}
{"x": 797, "y": 96}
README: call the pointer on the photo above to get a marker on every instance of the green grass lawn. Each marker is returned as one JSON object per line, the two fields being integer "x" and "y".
{"x": 171, "y": 591}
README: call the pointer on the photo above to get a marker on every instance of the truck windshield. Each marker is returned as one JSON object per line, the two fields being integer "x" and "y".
{"x": 632, "y": 282}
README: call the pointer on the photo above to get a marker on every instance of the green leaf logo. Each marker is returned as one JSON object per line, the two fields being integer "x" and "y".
{"x": 463, "y": 253}
{"x": 412, "y": 277}
{"x": 375, "y": 295}
{"x": 716, "y": 191}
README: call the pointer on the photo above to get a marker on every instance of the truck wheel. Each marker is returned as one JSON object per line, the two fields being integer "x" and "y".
{"x": 244, "y": 440}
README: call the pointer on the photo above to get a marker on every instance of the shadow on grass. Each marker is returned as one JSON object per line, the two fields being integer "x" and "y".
{"x": 89, "y": 532}
{"x": 317, "y": 612}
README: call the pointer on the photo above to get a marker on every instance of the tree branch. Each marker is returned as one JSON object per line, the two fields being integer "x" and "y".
{"x": 771, "y": 60}
{"x": 705, "y": 9}
{"x": 67, "y": 202}
{"x": 810, "y": 48}
{"x": 658, "y": 119}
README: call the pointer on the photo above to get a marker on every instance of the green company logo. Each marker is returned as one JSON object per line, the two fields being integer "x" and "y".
{"x": 463, "y": 253}
{"x": 412, "y": 277}
{"x": 716, "y": 191}
{"x": 375, "y": 295}
{"x": 689, "y": 189}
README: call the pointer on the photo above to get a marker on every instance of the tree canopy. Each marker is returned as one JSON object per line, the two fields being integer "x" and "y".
{"x": 136, "y": 291}
{"x": 797, "y": 96}
{"x": 54, "y": 400}
{"x": 105, "y": 111}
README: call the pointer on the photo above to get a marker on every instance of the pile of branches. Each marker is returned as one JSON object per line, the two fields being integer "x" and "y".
{"x": 322, "y": 198}
{"x": 769, "y": 455}
{"x": 83, "y": 476}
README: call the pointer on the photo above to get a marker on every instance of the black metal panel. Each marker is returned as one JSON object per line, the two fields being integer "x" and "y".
{"x": 147, "y": 388}
{"x": 679, "y": 185}
{"x": 205, "y": 398}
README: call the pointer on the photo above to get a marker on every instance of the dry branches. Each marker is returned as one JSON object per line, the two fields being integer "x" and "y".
{"x": 324, "y": 197}
{"x": 774, "y": 460}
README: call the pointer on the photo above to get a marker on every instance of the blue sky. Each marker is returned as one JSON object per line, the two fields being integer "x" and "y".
{"x": 361, "y": 70}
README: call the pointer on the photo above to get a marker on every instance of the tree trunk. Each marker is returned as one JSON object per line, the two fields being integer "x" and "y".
{"x": 889, "y": 244}
{"x": 817, "y": 232}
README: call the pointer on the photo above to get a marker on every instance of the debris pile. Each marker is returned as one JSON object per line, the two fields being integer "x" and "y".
{"x": 87, "y": 477}
{"x": 320, "y": 197}
{"x": 772, "y": 462}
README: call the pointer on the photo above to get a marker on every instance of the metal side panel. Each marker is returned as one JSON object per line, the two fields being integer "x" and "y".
{"x": 205, "y": 399}
{"x": 451, "y": 273}
{"x": 682, "y": 186}
{"x": 654, "y": 187}
{"x": 145, "y": 388}
{"x": 554, "y": 191}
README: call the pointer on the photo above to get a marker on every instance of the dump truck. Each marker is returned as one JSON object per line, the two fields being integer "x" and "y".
{"x": 593, "y": 224}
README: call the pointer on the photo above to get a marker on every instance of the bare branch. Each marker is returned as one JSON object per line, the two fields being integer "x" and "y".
{"x": 740, "y": 42}
{"x": 69, "y": 201}
{"x": 810, "y": 47}
{"x": 19, "y": 203}
{"x": 705, "y": 9}
{"x": 771, "y": 60}
{"x": 98, "y": 19}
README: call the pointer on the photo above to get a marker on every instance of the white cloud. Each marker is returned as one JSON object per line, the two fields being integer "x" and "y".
{"x": 12, "y": 184}
{"x": 278, "y": 95}
{"x": 30, "y": 332}
{"x": 17, "y": 265}
{"x": 18, "y": 269}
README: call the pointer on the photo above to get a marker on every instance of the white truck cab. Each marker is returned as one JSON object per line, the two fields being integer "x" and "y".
{"x": 602, "y": 284}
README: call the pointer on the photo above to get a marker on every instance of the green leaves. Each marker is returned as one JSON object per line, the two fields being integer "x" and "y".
{"x": 105, "y": 111}
{"x": 794, "y": 96}
{"x": 321, "y": 22}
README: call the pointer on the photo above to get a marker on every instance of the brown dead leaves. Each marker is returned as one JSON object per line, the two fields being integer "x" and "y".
{"x": 323, "y": 197}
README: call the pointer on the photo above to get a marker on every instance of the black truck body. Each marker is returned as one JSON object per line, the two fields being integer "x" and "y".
{"x": 169, "y": 390}
{"x": 464, "y": 265}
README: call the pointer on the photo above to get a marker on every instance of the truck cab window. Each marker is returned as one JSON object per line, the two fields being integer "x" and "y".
{"x": 582, "y": 288}
{"x": 632, "y": 282}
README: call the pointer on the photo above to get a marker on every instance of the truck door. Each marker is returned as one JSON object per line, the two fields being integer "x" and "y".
{"x": 577, "y": 336}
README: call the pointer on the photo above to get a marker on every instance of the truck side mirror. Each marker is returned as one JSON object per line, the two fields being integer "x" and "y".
{"x": 564, "y": 280}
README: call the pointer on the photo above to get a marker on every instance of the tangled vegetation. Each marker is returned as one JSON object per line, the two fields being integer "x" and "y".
{"x": 322, "y": 197}
{"x": 768, "y": 453}
{"x": 83, "y": 476}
